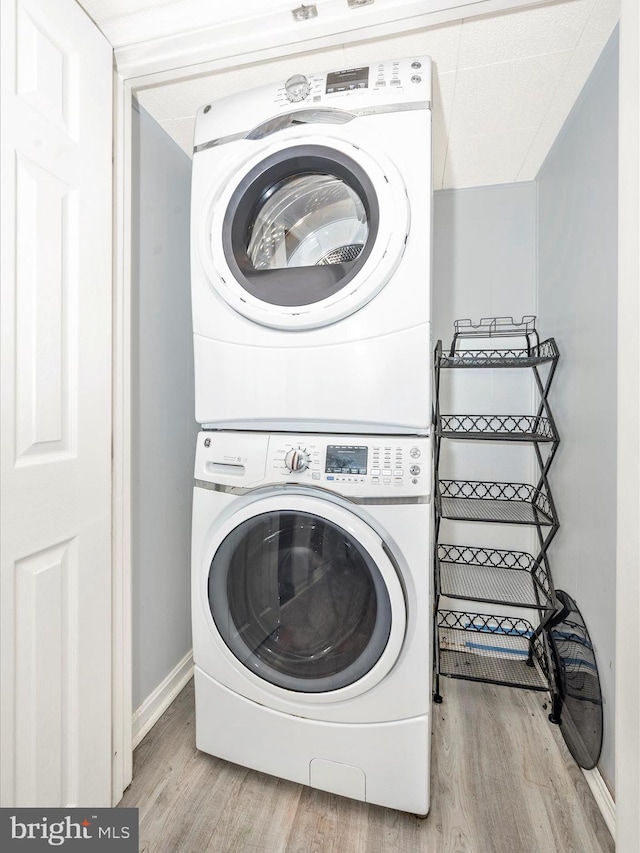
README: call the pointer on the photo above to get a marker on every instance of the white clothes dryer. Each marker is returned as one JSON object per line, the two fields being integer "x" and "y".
{"x": 311, "y": 253}
{"x": 311, "y": 597}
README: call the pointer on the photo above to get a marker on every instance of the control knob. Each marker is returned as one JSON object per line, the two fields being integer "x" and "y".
{"x": 296, "y": 459}
{"x": 297, "y": 88}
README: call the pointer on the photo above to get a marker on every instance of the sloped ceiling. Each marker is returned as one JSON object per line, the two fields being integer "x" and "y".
{"x": 504, "y": 83}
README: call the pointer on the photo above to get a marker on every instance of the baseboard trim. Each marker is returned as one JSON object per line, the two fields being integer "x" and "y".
{"x": 603, "y": 798}
{"x": 154, "y": 706}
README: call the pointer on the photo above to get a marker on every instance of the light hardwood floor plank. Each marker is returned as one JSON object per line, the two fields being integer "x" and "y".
{"x": 501, "y": 776}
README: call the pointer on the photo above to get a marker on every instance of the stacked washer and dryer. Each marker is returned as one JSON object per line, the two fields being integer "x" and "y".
{"x": 312, "y": 521}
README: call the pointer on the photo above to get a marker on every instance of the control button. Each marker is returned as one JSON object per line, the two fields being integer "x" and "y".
{"x": 387, "y": 472}
{"x": 416, "y": 78}
{"x": 415, "y": 64}
{"x": 330, "y": 477}
{"x": 398, "y": 473}
{"x": 398, "y": 481}
{"x": 315, "y": 475}
{"x": 375, "y": 480}
{"x": 296, "y": 459}
{"x": 297, "y": 88}
{"x": 414, "y": 453}
{"x": 375, "y": 472}
{"x": 387, "y": 481}
{"x": 414, "y": 470}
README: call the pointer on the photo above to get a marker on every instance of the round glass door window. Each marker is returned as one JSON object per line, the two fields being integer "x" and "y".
{"x": 308, "y": 220}
{"x": 300, "y": 225}
{"x": 299, "y": 602}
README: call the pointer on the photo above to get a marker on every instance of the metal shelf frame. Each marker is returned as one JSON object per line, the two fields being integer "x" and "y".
{"x": 492, "y": 575}
{"x": 500, "y": 650}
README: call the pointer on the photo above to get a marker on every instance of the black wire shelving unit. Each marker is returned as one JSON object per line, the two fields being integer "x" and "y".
{"x": 471, "y": 643}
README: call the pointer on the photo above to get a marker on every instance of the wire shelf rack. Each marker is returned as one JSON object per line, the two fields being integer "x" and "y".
{"x": 495, "y": 649}
{"x": 525, "y": 428}
{"x": 500, "y": 649}
{"x": 487, "y": 501}
{"x": 494, "y": 327}
{"x": 546, "y": 351}
{"x": 494, "y": 575}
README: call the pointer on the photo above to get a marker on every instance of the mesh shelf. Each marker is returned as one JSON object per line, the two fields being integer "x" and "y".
{"x": 493, "y": 575}
{"x": 498, "y": 427}
{"x": 503, "y": 357}
{"x": 509, "y": 503}
{"x": 495, "y": 649}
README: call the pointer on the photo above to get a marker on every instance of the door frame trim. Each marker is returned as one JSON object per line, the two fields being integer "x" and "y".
{"x": 627, "y": 663}
{"x": 122, "y": 630}
{"x": 158, "y": 46}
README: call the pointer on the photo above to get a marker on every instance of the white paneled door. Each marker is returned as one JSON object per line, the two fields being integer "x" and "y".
{"x": 56, "y": 406}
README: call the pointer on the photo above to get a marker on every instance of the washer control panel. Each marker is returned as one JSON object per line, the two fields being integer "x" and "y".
{"x": 363, "y": 466}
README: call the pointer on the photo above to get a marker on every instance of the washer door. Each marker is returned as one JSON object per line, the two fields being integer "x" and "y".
{"x": 303, "y": 594}
{"x": 305, "y": 232}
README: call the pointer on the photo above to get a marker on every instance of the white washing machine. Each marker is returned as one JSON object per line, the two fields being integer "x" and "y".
{"x": 311, "y": 596}
{"x": 311, "y": 253}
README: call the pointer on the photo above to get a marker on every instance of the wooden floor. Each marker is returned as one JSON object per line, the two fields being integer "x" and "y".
{"x": 502, "y": 782}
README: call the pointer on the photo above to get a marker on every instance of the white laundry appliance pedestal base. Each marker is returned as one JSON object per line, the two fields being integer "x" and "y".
{"x": 382, "y": 763}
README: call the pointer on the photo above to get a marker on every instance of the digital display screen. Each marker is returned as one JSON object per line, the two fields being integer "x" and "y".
{"x": 344, "y": 459}
{"x": 352, "y": 78}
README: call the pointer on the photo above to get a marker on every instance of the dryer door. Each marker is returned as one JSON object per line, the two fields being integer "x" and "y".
{"x": 304, "y": 595}
{"x": 304, "y": 232}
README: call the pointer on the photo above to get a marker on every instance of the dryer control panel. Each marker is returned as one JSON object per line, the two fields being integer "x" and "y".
{"x": 388, "y": 81}
{"x": 319, "y": 98}
{"x": 356, "y": 466}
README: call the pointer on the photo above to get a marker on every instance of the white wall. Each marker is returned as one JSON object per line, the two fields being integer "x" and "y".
{"x": 485, "y": 257}
{"x": 164, "y": 429}
{"x": 577, "y": 271}
{"x": 485, "y": 254}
